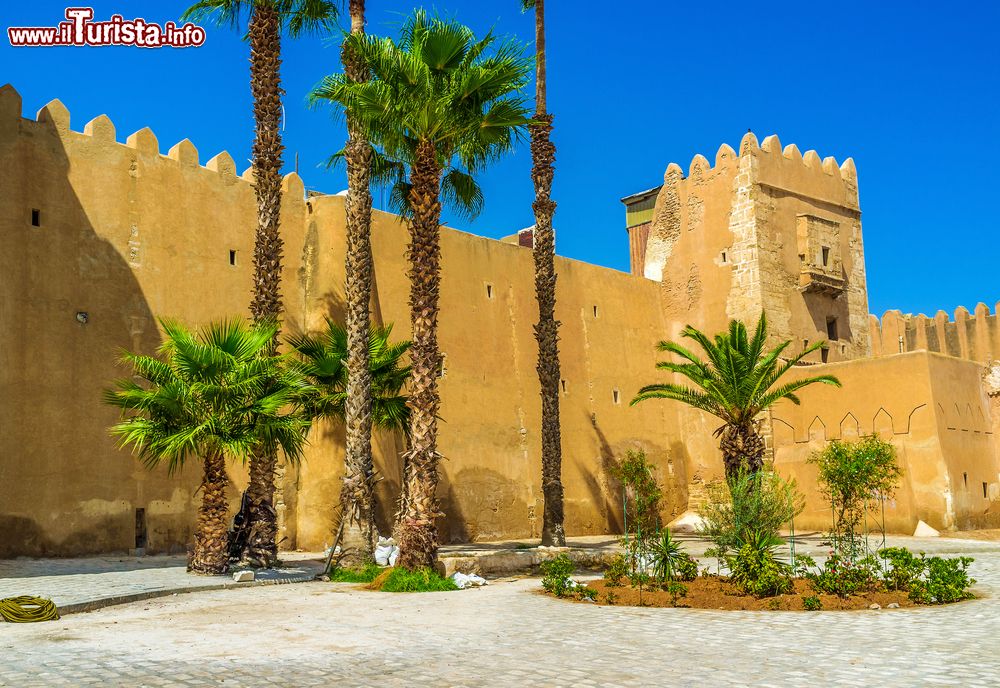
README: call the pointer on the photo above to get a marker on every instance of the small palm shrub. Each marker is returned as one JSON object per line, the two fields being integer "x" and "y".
{"x": 754, "y": 569}
{"x": 555, "y": 575}
{"x": 670, "y": 562}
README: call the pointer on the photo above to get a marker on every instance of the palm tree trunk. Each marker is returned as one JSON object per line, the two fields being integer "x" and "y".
{"x": 543, "y": 153}
{"x": 211, "y": 553}
{"x": 742, "y": 449}
{"x": 264, "y": 33}
{"x": 416, "y": 530}
{"x": 357, "y": 493}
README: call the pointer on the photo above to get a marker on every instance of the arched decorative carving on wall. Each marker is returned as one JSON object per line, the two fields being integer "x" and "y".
{"x": 882, "y": 423}
{"x": 849, "y": 426}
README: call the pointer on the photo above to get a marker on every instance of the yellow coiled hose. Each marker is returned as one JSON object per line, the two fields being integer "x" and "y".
{"x": 26, "y": 609}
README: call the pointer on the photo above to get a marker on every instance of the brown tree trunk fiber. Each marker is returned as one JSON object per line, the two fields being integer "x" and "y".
{"x": 211, "y": 553}
{"x": 742, "y": 449}
{"x": 543, "y": 153}
{"x": 357, "y": 493}
{"x": 416, "y": 529}
{"x": 264, "y": 34}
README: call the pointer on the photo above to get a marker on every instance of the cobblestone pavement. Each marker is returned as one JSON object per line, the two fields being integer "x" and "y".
{"x": 89, "y": 582}
{"x": 504, "y": 635}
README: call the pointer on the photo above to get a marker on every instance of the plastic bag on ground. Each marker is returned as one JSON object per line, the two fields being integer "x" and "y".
{"x": 467, "y": 580}
{"x": 386, "y": 552}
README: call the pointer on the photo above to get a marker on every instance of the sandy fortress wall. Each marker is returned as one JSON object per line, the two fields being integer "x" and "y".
{"x": 974, "y": 336}
{"x": 102, "y": 238}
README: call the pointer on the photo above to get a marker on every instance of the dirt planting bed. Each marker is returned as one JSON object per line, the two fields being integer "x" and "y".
{"x": 714, "y": 592}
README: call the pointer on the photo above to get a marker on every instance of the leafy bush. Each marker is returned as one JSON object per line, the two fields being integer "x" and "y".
{"x": 903, "y": 568}
{"x": 811, "y": 603}
{"x": 750, "y": 503}
{"x": 365, "y": 574}
{"x": 587, "y": 593}
{"x": 670, "y": 562}
{"x": 555, "y": 575}
{"x": 610, "y": 597}
{"x": 676, "y": 590}
{"x": 842, "y": 576}
{"x": 946, "y": 580}
{"x": 617, "y": 570}
{"x": 755, "y": 571}
{"x": 642, "y": 506}
{"x": 420, "y": 580}
{"x": 851, "y": 473}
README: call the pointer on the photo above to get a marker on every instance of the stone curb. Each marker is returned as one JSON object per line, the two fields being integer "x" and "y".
{"x": 101, "y": 603}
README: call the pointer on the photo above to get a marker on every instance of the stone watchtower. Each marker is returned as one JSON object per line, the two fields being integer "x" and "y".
{"x": 766, "y": 230}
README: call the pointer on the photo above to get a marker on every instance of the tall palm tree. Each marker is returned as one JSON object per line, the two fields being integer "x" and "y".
{"x": 442, "y": 104}
{"x": 325, "y": 360}
{"x": 357, "y": 495}
{"x": 217, "y": 393}
{"x": 543, "y": 154}
{"x": 267, "y": 19}
{"x": 737, "y": 382}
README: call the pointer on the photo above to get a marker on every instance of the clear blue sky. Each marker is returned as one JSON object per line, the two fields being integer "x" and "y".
{"x": 910, "y": 90}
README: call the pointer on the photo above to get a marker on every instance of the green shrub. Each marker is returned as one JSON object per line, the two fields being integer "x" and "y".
{"x": 610, "y": 597}
{"x": 748, "y": 504}
{"x": 587, "y": 593}
{"x": 641, "y": 508}
{"x": 365, "y": 574}
{"x": 811, "y": 603}
{"x": 676, "y": 590}
{"x": 755, "y": 571}
{"x": 903, "y": 568}
{"x": 555, "y": 575}
{"x": 946, "y": 580}
{"x": 617, "y": 570}
{"x": 850, "y": 474}
{"x": 841, "y": 576}
{"x": 420, "y": 580}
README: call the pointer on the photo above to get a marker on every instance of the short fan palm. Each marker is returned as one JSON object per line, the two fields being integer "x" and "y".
{"x": 216, "y": 393}
{"x": 442, "y": 105}
{"x": 737, "y": 382}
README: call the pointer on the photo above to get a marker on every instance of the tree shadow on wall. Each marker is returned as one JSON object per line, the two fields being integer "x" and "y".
{"x": 70, "y": 302}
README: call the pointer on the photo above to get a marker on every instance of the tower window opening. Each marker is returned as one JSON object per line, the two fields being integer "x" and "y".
{"x": 232, "y": 257}
{"x": 562, "y": 383}
{"x": 965, "y": 479}
{"x": 489, "y": 291}
{"x": 826, "y": 256}
{"x": 831, "y": 329}
{"x": 36, "y": 217}
{"x": 824, "y": 355}
{"x": 595, "y": 311}
{"x": 724, "y": 258}
{"x": 616, "y": 396}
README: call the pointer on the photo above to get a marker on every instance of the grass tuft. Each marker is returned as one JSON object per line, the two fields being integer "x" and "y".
{"x": 421, "y": 580}
{"x": 364, "y": 574}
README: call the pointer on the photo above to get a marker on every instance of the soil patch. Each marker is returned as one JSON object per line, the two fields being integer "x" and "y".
{"x": 715, "y": 592}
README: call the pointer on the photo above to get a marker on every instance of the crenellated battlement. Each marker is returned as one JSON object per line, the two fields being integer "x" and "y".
{"x": 100, "y": 132}
{"x": 974, "y": 336}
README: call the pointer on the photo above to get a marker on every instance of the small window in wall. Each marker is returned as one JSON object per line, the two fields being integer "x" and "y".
{"x": 489, "y": 291}
{"x": 724, "y": 257}
{"x": 826, "y": 256}
{"x": 805, "y": 343}
{"x": 595, "y": 311}
{"x": 824, "y": 354}
{"x": 831, "y": 329}
{"x": 36, "y": 217}
{"x": 562, "y": 384}
{"x": 985, "y": 490}
{"x": 965, "y": 479}
{"x": 232, "y": 257}
{"x": 616, "y": 396}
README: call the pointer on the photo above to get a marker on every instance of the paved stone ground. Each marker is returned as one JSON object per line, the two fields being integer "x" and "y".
{"x": 91, "y": 582}
{"x": 505, "y": 635}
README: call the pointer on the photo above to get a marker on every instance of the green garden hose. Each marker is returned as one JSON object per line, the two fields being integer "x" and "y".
{"x": 26, "y": 609}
